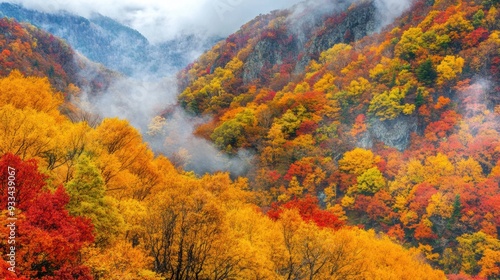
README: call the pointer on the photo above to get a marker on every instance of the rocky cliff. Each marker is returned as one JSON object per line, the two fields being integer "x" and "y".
{"x": 301, "y": 39}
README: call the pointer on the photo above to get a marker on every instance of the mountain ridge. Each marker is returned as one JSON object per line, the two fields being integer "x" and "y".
{"x": 387, "y": 127}
{"x": 116, "y": 46}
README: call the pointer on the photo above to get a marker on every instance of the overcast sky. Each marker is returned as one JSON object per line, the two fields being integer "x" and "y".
{"x": 163, "y": 19}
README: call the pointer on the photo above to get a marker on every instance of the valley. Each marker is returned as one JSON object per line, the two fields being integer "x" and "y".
{"x": 328, "y": 140}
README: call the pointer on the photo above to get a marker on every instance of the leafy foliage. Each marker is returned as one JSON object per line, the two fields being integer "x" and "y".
{"x": 121, "y": 213}
{"x": 48, "y": 239}
{"x": 305, "y": 112}
{"x": 414, "y": 83}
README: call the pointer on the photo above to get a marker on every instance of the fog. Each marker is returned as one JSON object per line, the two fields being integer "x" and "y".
{"x": 142, "y": 101}
{"x": 160, "y": 20}
{"x": 389, "y": 10}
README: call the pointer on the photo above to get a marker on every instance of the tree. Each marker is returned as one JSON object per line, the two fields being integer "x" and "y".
{"x": 348, "y": 253}
{"x": 440, "y": 206}
{"x": 48, "y": 240}
{"x": 26, "y": 132}
{"x": 449, "y": 68}
{"x": 441, "y": 128}
{"x": 358, "y": 161}
{"x": 359, "y": 125}
{"x": 472, "y": 249}
{"x": 231, "y": 134}
{"x": 290, "y": 121}
{"x": 477, "y": 18}
{"x": 470, "y": 170}
{"x": 490, "y": 264}
{"x": 457, "y": 26}
{"x": 357, "y": 87}
{"x": 88, "y": 199}
{"x": 426, "y": 72}
{"x": 186, "y": 232}
{"x": 409, "y": 44}
{"x": 387, "y": 105}
{"x": 124, "y": 159}
{"x": 30, "y": 92}
{"x": 116, "y": 136}
{"x": 309, "y": 211}
{"x": 334, "y": 53}
{"x": 437, "y": 168}
{"x": 371, "y": 181}
{"x": 325, "y": 84}
{"x": 119, "y": 261}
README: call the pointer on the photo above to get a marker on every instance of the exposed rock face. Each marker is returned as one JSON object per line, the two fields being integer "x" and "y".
{"x": 358, "y": 23}
{"x": 311, "y": 37}
{"x": 395, "y": 133}
{"x": 266, "y": 52}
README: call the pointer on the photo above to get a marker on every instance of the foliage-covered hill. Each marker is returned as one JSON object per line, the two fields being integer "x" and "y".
{"x": 377, "y": 154}
{"x": 106, "y": 41}
{"x": 91, "y": 201}
{"x": 35, "y": 52}
{"x": 398, "y": 129}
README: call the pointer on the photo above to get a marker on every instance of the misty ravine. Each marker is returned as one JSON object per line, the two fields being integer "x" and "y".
{"x": 142, "y": 101}
{"x": 143, "y": 95}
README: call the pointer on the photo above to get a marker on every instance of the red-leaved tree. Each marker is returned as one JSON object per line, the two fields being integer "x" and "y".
{"x": 47, "y": 239}
{"x": 309, "y": 211}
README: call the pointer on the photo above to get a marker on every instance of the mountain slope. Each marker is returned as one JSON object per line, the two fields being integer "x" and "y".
{"x": 106, "y": 41}
{"x": 420, "y": 97}
{"x": 397, "y": 129}
{"x": 35, "y": 52}
{"x": 280, "y": 43}
{"x": 117, "y": 211}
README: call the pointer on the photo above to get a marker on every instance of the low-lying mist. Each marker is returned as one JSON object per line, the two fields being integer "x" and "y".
{"x": 142, "y": 100}
{"x": 306, "y": 12}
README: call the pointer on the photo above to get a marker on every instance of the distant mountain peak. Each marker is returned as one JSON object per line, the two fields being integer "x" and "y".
{"x": 105, "y": 40}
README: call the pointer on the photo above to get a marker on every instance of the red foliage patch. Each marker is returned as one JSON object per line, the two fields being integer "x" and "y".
{"x": 309, "y": 211}
{"x": 48, "y": 239}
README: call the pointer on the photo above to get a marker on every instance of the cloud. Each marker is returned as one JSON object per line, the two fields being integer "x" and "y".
{"x": 389, "y": 10}
{"x": 310, "y": 10}
{"x": 174, "y": 138}
{"x": 160, "y": 20}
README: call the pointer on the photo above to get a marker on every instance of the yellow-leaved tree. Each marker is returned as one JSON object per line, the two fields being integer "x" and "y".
{"x": 30, "y": 92}
{"x": 449, "y": 68}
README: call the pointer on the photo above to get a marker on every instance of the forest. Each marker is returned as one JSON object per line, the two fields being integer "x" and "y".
{"x": 377, "y": 156}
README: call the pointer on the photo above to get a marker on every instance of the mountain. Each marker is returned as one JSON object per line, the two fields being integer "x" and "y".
{"x": 89, "y": 199}
{"x": 35, "y": 52}
{"x": 396, "y": 125}
{"x": 117, "y": 47}
{"x": 282, "y": 42}
{"x": 375, "y": 136}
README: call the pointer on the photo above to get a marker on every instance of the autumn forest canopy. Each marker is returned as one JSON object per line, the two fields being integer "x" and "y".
{"x": 376, "y": 153}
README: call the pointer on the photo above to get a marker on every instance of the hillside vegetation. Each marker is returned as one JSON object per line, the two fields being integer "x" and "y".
{"x": 377, "y": 154}
{"x": 37, "y": 53}
{"x": 395, "y": 131}
{"x": 94, "y": 203}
